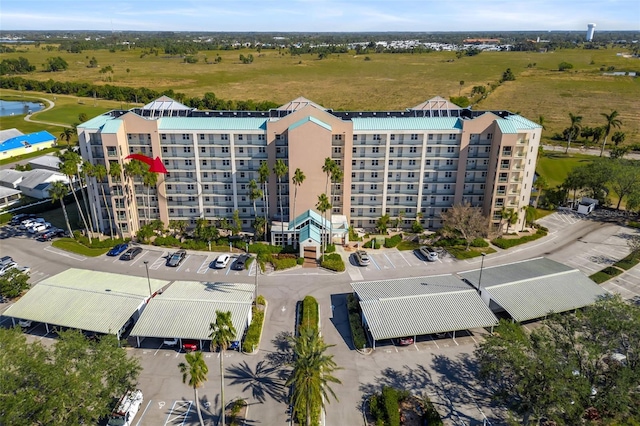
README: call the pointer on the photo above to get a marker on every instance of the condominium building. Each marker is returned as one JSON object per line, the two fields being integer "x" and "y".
{"x": 414, "y": 163}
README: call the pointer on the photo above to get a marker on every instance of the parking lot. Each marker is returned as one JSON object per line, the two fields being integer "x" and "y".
{"x": 385, "y": 262}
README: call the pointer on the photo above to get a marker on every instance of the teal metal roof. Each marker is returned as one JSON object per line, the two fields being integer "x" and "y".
{"x": 406, "y": 123}
{"x": 111, "y": 126}
{"x": 516, "y": 123}
{"x": 212, "y": 123}
{"x": 96, "y": 122}
{"x": 507, "y": 127}
{"x": 310, "y": 232}
{"x": 312, "y": 120}
{"x": 309, "y": 214}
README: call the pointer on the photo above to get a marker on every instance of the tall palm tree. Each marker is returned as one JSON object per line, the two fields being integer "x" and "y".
{"x": 323, "y": 205}
{"x": 67, "y": 133}
{"x": 541, "y": 184}
{"x": 611, "y": 120}
{"x": 280, "y": 169}
{"x": 69, "y": 167}
{"x": 58, "y": 190}
{"x": 196, "y": 370}
{"x": 336, "y": 177}
{"x": 100, "y": 173}
{"x": 132, "y": 170}
{"x": 297, "y": 180}
{"x": 222, "y": 334}
{"x": 263, "y": 178}
{"x": 254, "y": 193}
{"x": 115, "y": 172}
{"x": 328, "y": 167}
{"x": 511, "y": 216}
{"x": 86, "y": 173}
{"x": 149, "y": 179}
{"x": 573, "y": 130}
{"x": 311, "y": 376}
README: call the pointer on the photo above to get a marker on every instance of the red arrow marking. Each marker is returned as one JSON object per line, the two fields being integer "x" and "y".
{"x": 155, "y": 166}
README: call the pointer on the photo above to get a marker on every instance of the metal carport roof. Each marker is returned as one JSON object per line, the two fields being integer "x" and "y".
{"x": 533, "y": 288}
{"x": 421, "y": 305}
{"x": 187, "y": 308}
{"x": 87, "y": 300}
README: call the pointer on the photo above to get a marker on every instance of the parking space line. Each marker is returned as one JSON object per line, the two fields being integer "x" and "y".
{"x": 385, "y": 255}
{"x": 159, "y": 261}
{"x": 184, "y": 262}
{"x": 159, "y": 347}
{"x": 180, "y": 405}
{"x": 144, "y": 412}
{"x": 139, "y": 257}
{"x": 228, "y": 269}
{"x": 434, "y": 341}
{"x": 374, "y": 262}
{"x": 405, "y": 259}
{"x": 204, "y": 266}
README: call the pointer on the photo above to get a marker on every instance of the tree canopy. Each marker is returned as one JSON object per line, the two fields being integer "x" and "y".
{"x": 75, "y": 381}
{"x": 577, "y": 367}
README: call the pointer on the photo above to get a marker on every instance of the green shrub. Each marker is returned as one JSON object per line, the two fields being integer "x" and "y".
{"x": 450, "y": 242}
{"x": 353, "y": 235}
{"x": 309, "y": 313}
{"x": 628, "y": 262}
{"x": 260, "y": 300}
{"x": 196, "y": 245}
{"x": 390, "y": 405}
{"x": 600, "y": 277}
{"x": 504, "y": 243}
{"x": 169, "y": 241}
{"x": 479, "y": 242}
{"x": 252, "y": 338}
{"x": 416, "y": 227}
{"x": 331, "y": 248}
{"x": 333, "y": 262}
{"x": 5, "y": 217}
{"x": 392, "y": 241}
{"x": 262, "y": 249}
{"x": 283, "y": 261}
{"x": 634, "y": 224}
{"x": 355, "y": 322}
{"x": 249, "y": 261}
{"x": 300, "y": 260}
{"x": 430, "y": 416}
{"x": 97, "y": 244}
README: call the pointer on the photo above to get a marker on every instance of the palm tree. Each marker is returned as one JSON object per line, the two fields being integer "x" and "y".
{"x": 100, "y": 173}
{"x": 510, "y": 215}
{"x": 132, "y": 170}
{"x": 149, "y": 179}
{"x": 297, "y": 180}
{"x": 115, "y": 172}
{"x": 323, "y": 205}
{"x": 311, "y": 376}
{"x": 69, "y": 167}
{"x": 67, "y": 133}
{"x": 58, "y": 190}
{"x": 540, "y": 185}
{"x": 222, "y": 334}
{"x": 573, "y": 130}
{"x": 196, "y": 370}
{"x": 254, "y": 194}
{"x": 328, "y": 167}
{"x": 611, "y": 120}
{"x": 263, "y": 173}
{"x": 86, "y": 174}
{"x": 336, "y": 177}
{"x": 280, "y": 169}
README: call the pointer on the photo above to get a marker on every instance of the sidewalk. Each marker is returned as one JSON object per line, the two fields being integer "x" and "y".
{"x": 591, "y": 151}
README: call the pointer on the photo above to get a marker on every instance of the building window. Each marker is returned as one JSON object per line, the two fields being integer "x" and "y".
{"x": 374, "y": 162}
{"x": 489, "y": 135}
{"x": 225, "y": 149}
{"x": 375, "y": 149}
{"x": 165, "y": 150}
{"x": 445, "y": 198}
{"x": 411, "y": 175}
{"x": 337, "y": 149}
{"x": 203, "y": 149}
{"x": 376, "y": 137}
{"x": 447, "y": 186}
{"x": 452, "y": 136}
{"x": 206, "y": 187}
{"x": 262, "y": 149}
{"x": 188, "y": 163}
{"x": 372, "y": 210}
{"x": 226, "y": 175}
{"x": 413, "y": 149}
{"x": 239, "y": 137}
{"x": 414, "y": 136}
{"x": 204, "y": 162}
{"x": 451, "y": 149}
{"x": 391, "y": 149}
{"x": 392, "y": 137}
{"x": 374, "y": 186}
{"x": 410, "y": 186}
{"x": 241, "y": 150}
{"x": 185, "y": 137}
{"x": 430, "y": 137}
{"x": 112, "y": 151}
{"x": 412, "y": 162}
{"x": 205, "y": 174}
{"x": 186, "y": 149}
{"x": 448, "y": 174}
{"x": 374, "y": 174}
{"x": 449, "y": 162}
{"x": 226, "y": 162}
{"x": 337, "y": 137}
{"x": 487, "y": 149}
{"x": 429, "y": 149}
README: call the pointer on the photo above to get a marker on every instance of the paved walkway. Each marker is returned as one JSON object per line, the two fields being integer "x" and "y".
{"x": 50, "y": 104}
{"x": 586, "y": 151}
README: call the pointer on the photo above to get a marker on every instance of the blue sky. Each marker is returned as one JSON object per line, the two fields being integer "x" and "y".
{"x": 318, "y": 15}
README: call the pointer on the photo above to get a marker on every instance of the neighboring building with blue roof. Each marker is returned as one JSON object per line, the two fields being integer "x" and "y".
{"x": 415, "y": 163}
{"x": 23, "y": 144}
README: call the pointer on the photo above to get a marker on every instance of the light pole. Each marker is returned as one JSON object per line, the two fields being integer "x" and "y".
{"x": 481, "y": 266}
{"x": 146, "y": 266}
{"x": 255, "y": 298}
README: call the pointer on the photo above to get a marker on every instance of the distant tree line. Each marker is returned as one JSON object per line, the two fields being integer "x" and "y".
{"x": 131, "y": 94}
{"x": 16, "y": 66}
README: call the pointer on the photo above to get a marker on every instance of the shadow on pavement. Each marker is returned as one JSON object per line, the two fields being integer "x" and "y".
{"x": 340, "y": 317}
{"x": 264, "y": 381}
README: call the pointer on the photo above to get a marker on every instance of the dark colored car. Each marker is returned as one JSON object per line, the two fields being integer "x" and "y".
{"x": 176, "y": 258}
{"x": 15, "y": 220}
{"x": 131, "y": 253}
{"x": 118, "y": 250}
{"x": 190, "y": 345}
{"x": 234, "y": 346}
{"x": 404, "y": 341}
{"x": 48, "y": 235}
{"x": 240, "y": 262}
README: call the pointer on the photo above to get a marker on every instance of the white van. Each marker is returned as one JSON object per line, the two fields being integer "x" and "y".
{"x": 222, "y": 261}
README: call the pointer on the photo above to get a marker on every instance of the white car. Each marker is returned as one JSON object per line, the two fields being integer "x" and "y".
{"x": 39, "y": 227}
{"x": 171, "y": 342}
{"x": 24, "y": 323}
{"x": 5, "y": 266}
{"x": 222, "y": 261}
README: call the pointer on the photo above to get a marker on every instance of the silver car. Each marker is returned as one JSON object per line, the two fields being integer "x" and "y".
{"x": 429, "y": 253}
{"x": 362, "y": 257}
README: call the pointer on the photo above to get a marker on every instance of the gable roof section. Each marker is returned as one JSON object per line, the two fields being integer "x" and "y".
{"x": 310, "y": 119}
{"x": 9, "y": 133}
{"x": 26, "y": 140}
{"x": 516, "y": 271}
{"x": 421, "y": 305}
{"x": 300, "y": 103}
{"x": 516, "y": 123}
{"x": 309, "y": 215}
{"x": 111, "y": 126}
{"x": 165, "y": 103}
{"x": 310, "y": 231}
{"x": 11, "y": 177}
{"x": 34, "y": 178}
{"x": 187, "y": 308}
{"x": 406, "y": 123}
{"x": 96, "y": 123}
{"x": 212, "y": 123}
{"x": 436, "y": 103}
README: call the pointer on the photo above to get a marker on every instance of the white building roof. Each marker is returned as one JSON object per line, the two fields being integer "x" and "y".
{"x": 421, "y": 305}
{"x": 46, "y": 162}
{"x": 82, "y": 299}
{"x": 165, "y": 103}
{"x": 187, "y": 308}
{"x": 32, "y": 178}
{"x": 9, "y": 133}
{"x": 10, "y": 177}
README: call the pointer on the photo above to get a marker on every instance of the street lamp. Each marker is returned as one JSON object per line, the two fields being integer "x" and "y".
{"x": 255, "y": 297}
{"x": 481, "y": 266}
{"x": 146, "y": 265}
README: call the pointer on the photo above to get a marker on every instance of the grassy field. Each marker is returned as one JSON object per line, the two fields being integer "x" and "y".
{"x": 386, "y": 81}
{"x": 555, "y": 166}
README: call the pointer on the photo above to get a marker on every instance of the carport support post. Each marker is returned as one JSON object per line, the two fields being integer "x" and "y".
{"x": 146, "y": 265}
{"x": 138, "y": 340}
{"x": 481, "y": 267}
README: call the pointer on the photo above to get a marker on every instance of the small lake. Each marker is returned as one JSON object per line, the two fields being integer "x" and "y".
{"x": 8, "y": 108}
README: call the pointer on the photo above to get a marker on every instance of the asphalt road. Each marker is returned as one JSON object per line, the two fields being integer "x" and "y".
{"x": 441, "y": 367}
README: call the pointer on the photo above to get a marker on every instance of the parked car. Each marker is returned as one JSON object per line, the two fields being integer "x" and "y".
{"x": 39, "y": 227}
{"x": 131, "y": 253}
{"x": 24, "y": 323}
{"x": 190, "y": 345}
{"x": 222, "y": 261}
{"x": 429, "y": 253}
{"x": 27, "y": 223}
{"x": 7, "y": 263}
{"x": 234, "y": 346}
{"x": 240, "y": 262}
{"x": 127, "y": 408}
{"x": 404, "y": 341}
{"x": 51, "y": 233}
{"x": 118, "y": 249}
{"x": 176, "y": 258}
{"x": 362, "y": 257}
{"x": 170, "y": 342}
{"x": 15, "y": 220}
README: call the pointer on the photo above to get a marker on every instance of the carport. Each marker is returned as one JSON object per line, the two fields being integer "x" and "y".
{"x": 100, "y": 302}
{"x": 187, "y": 308}
{"x": 419, "y": 306}
{"x": 533, "y": 288}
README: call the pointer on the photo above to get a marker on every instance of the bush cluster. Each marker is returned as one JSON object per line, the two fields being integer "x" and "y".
{"x": 331, "y": 248}
{"x": 508, "y": 243}
{"x": 605, "y": 274}
{"x": 334, "y": 262}
{"x": 169, "y": 241}
{"x": 479, "y": 242}
{"x": 355, "y": 321}
{"x": 95, "y": 243}
{"x": 283, "y": 261}
{"x": 634, "y": 224}
{"x": 252, "y": 339}
{"x": 393, "y": 241}
{"x": 385, "y": 406}
{"x": 628, "y": 262}
{"x": 430, "y": 416}
{"x": 371, "y": 244}
{"x": 309, "y": 313}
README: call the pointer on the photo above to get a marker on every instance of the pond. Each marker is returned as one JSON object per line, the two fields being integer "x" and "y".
{"x": 8, "y": 108}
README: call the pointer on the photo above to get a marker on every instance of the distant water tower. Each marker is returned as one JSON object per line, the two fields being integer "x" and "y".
{"x": 591, "y": 28}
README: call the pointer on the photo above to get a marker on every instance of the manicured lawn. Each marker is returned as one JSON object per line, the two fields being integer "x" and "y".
{"x": 69, "y": 244}
{"x": 29, "y": 155}
{"x": 461, "y": 253}
{"x": 408, "y": 245}
{"x": 555, "y": 166}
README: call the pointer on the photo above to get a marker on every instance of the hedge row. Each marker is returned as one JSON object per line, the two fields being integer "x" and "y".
{"x": 634, "y": 224}
{"x": 281, "y": 261}
{"x": 504, "y": 243}
{"x": 309, "y": 313}
{"x": 252, "y": 339}
{"x": 605, "y": 275}
{"x": 385, "y": 406}
{"x": 430, "y": 416}
{"x": 355, "y": 321}
{"x": 628, "y": 262}
{"x": 98, "y": 244}
{"x": 333, "y": 262}
{"x": 392, "y": 241}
